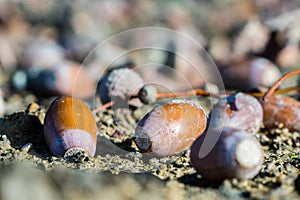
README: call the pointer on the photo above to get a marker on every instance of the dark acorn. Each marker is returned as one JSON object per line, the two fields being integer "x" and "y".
{"x": 236, "y": 154}
{"x": 239, "y": 110}
{"x": 250, "y": 73}
{"x": 66, "y": 79}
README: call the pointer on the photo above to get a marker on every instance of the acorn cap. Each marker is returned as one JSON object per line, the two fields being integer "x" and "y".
{"x": 74, "y": 151}
{"x": 147, "y": 94}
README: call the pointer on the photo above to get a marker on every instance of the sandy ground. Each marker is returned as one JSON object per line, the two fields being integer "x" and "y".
{"x": 119, "y": 171}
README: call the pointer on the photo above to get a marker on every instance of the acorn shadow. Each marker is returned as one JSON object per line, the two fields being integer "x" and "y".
{"x": 194, "y": 180}
{"x": 20, "y": 129}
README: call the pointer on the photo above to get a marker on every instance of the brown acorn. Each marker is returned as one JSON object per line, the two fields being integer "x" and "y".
{"x": 281, "y": 109}
{"x": 239, "y": 110}
{"x": 170, "y": 128}
{"x": 236, "y": 154}
{"x": 70, "y": 127}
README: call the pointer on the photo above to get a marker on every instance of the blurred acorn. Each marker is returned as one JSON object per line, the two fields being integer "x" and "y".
{"x": 65, "y": 79}
{"x": 280, "y": 109}
{"x": 236, "y": 154}
{"x": 250, "y": 73}
{"x": 70, "y": 127}
{"x": 170, "y": 128}
{"x": 119, "y": 85}
{"x": 240, "y": 111}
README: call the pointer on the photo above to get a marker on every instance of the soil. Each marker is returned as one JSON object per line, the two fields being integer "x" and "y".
{"x": 119, "y": 171}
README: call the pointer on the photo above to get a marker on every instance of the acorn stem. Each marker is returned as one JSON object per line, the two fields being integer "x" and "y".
{"x": 196, "y": 92}
{"x": 199, "y": 92}
{"x": 281, "y": 91}
{"x": 277, "y": 84}
{"x": 104, "y": 106}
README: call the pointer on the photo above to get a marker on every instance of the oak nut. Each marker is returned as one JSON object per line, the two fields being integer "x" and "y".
{"x": 281, "y": 110}
{"x": 170, "y": 128}
{"x": 67, "y": 78}
{"x": 239, "y": 110}
{"x": 250, "y": 73}
{"x": 119, "y": 85}
{"x": 236, "y": 154}
{"x": 70, "y": 127}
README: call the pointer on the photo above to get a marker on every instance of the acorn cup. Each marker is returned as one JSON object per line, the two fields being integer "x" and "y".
{"x": 236, "y": 154}
{"x": 240, "y": 111}
{"x": 70, "y": 127}
{"x": 170, "y": 128}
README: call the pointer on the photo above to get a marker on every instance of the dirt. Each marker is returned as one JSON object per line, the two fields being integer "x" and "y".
{"x": 119, "y": 171}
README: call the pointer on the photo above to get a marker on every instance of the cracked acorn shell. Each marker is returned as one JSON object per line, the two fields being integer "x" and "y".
{"x": 70, "y": 127}
{"x": 170, "y": 128}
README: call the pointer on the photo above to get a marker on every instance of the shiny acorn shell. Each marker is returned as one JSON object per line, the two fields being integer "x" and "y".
{"x": 240, "y": 111}
{"x": 70, "y": 127}
{"x": 170, "y": 128}
{"x": 236, "y": 154}
{"x": 281, "y": 110}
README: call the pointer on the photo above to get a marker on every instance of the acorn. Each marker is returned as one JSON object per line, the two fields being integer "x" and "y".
{"x": 68, "y": 79}
{"x": 70, "y": 127}
{"x": 170, "y": 128}
{"x": 236, "y": 154}
{"x": 250, "y": 73}
{"x": 280, "y": 109}
{"x": 239, "y": 110}
{"x": 147, "y": 94}
{"x": 119, "y": 85}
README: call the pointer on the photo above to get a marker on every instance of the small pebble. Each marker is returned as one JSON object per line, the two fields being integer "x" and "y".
{"x": 26, "y": 147}
{"x": 33, "y": 107}
{"x": 4, "y": 138}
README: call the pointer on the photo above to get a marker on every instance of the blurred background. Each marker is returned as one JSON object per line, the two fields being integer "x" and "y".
{"x": 43, "y": 44}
